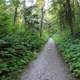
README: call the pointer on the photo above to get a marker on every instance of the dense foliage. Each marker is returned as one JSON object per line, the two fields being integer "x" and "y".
{"x": 17, "y": 50}
{"x": 67, "y": 34}
{"x": 69, "y": 48}
{"x": 24, "y": 29}
{"x": 4, "y": 21}
{"x": 19, "y": 36}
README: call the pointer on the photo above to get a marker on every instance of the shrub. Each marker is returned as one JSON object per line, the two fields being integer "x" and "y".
{"x": 16, "y": 50}
{"x": 70, "y": 49}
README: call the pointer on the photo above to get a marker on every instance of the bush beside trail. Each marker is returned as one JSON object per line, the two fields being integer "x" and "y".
{"x": 16, "y": 51}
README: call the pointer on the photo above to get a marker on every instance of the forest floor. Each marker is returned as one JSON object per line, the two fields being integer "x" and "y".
{"x": 48, "y": 66}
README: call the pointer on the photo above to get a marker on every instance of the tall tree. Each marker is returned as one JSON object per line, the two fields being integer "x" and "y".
{"x": 69, "y": 15}
{"x": 42, "y": 18}
{"x": 16, "y": 5}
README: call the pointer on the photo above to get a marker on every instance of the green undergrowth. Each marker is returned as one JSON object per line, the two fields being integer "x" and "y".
{"x": 16, "y": 51}
{"x": 70, "y": 49}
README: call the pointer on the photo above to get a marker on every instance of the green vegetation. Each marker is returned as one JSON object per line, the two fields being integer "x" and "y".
{"x": 67, "y": 34}
{"x": 20, "y": 39}
{"x": 69, "y": 47}
{"x": 17, "y": 50}
{"x": 24, "y": 29}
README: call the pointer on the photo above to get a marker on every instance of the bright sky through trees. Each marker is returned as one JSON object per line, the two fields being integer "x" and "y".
{"x": 47, "y": 4}
{"x": 8, "y": 2}
{"x": 78, "y": 2}
{"x": 32, "y": 2}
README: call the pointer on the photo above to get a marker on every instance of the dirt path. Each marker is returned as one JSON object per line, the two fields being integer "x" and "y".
{"x": 48, "y": 66}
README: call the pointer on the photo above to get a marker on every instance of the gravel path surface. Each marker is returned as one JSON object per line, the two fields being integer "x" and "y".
{"x": 48, "y": 66}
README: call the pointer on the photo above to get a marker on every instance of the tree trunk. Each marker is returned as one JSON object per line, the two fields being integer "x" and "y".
{"x": 69, "y": 16}
{"x": 42, "y": 17}
{"x": 24, "y": 11}
{"x": 15, "y": 16}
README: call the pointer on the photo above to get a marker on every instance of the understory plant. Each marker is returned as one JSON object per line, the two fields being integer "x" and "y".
{"x": 16, "y": 51}
{"x": 69, "y": 47}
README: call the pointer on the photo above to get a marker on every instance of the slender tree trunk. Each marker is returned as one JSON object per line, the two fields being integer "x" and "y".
{"x": 15, "y": 16}
{"x": 24, "y": 9}
{"x": 42, "y": 17}
{"x": 69, "y": 16}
